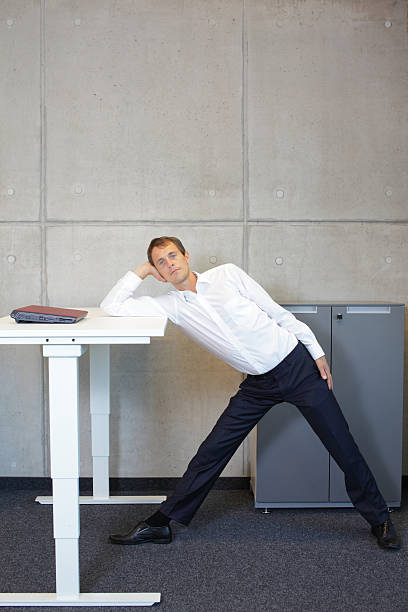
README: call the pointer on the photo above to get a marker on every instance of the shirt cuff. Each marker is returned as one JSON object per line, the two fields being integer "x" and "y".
{"x": 315, "y": 350}
{"x": 132, "y": 280}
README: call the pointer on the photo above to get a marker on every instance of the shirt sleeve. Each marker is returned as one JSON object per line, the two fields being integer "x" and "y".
{"x": 120, "y": 302}
{"x": 248, "y": 287}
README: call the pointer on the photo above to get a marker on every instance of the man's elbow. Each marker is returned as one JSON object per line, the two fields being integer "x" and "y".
{"x": 108, "y": 308}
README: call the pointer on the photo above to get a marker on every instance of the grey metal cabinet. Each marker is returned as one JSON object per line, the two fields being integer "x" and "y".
{"x": 364, "y": 343}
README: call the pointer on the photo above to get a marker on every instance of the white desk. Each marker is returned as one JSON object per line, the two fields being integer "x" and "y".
{"x": 63, "y": 345}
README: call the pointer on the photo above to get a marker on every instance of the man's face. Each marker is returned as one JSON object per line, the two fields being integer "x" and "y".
{"x": 171, "y": 263}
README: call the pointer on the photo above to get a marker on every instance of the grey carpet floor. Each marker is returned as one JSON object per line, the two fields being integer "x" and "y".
{"x": 231, "y": 558}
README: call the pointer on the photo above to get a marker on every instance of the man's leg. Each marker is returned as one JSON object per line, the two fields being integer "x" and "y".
{"x": 244, "y": 410}
{"x": 241, "y": 415}
{"x": 328, "y": 422}
{"x": 303, "y": 386}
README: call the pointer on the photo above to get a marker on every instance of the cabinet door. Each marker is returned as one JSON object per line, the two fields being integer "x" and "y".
{"x": 292, "y": 463}
{"x": 367, "y": 365}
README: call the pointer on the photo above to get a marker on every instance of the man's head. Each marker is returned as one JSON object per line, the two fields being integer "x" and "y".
{"x": 161, "y": 242}
{"x": 168, "y": 255}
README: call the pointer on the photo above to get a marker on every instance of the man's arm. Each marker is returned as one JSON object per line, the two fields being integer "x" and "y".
{"x": 252, "y": 290}
{"x": 119, "y": 302}
{"x": 147, "y": 269}
{"x": 304, "y": 334}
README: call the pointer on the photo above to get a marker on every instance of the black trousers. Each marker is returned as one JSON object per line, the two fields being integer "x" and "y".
{"x": 296, "y": 380}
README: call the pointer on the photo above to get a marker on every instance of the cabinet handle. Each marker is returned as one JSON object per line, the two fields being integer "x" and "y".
{"x": 339, "y": 316}
{"x": 301, "y": 309}
{"x": 368, "y": 310}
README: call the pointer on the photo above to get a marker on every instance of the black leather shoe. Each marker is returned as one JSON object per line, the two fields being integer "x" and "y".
{"x": 144, "y": 533}
{"x": 386, "y": 535}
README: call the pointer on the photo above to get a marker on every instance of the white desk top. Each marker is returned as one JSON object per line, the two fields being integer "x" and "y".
{"x": 96, "y": 328}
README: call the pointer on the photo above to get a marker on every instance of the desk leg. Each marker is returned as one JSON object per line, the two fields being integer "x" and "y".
{"x": 99, "y": 359}
{"x": 64, "y": 449}
{"x": 99, "y": 373}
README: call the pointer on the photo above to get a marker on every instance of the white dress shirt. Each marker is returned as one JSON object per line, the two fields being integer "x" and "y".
{"x": 231, "y": 316}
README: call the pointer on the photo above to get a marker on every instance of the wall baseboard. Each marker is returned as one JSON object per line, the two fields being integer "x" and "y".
{"x": 131, "y": 485}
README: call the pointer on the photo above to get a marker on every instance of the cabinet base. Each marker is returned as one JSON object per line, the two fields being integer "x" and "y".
{"x": 258, "y": 504}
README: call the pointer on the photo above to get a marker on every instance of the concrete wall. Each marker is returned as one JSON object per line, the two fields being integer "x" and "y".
{"x": 269, "y": 133}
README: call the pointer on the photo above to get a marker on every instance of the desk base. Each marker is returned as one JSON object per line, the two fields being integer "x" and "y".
{"x": 83, "y": 599}
{"x": 112, "y": 499}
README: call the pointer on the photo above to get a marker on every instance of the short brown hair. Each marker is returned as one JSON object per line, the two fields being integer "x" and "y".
{"x": 157, "y": 242}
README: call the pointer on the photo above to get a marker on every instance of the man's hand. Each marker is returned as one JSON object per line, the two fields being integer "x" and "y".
{"x": 147, "y": 269}
{"x": 325, "y": 370}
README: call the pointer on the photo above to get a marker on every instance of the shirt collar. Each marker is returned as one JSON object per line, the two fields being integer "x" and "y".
{"x": 201, "y": 277}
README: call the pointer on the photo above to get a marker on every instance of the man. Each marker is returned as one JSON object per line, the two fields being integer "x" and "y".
{"x": 229, "y": 314}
